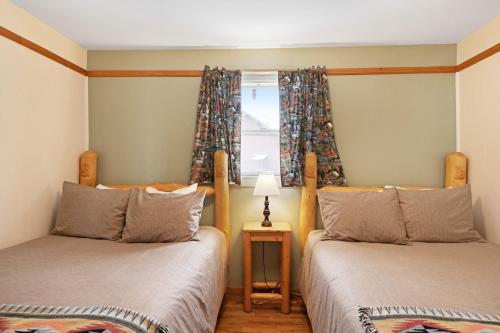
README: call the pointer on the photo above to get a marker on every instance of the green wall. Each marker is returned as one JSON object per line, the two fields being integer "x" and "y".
{"x": 391, "y": 129}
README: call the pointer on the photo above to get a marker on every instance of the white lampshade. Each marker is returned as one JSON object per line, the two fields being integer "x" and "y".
{"x": 266, "y": 185}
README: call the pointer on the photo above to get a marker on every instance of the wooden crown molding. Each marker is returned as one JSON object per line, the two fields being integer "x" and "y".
{"x": 198, "y": 73}
{"x": 41, "y": 50}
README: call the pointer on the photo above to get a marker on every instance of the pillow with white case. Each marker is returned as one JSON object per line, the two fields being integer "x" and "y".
{"x": 185, "y": 190}
{"x": 102, "y": 187}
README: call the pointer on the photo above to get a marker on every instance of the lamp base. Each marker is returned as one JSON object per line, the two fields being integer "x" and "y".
{"x": 266, "y": 223}
{"x": 266, "y": 213}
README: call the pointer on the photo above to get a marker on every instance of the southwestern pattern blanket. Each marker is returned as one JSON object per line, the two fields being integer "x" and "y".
{"x": 410, "y": 319}
{"x": 77, "y": 319}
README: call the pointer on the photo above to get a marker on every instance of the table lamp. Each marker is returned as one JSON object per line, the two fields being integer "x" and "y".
{"x": 266, "y": 186}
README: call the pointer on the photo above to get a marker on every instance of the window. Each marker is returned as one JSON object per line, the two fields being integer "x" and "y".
{"x": 260, "y": 144}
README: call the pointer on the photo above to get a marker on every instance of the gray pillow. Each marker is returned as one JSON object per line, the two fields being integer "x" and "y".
{"x": 440, "y": 215}
{"x": 89, "y": 212}
{"x": 362, "y": 216}
{"x": 169, "y": 217}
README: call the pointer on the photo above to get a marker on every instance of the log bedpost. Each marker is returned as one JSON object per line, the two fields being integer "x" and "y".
{"x": 307, "y": 221}
{"x": 88, "y": 168}
{"x": 221, "y": 185}
{"x": 455, "y": 170}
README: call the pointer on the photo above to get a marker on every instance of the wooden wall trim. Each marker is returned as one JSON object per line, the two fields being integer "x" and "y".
{"x": 391, "y": 70}
{"x": 146, "y": 73}
{"x": 478, "y": 57}
{"x": 330, "y": 71}
{"x": 198, "y": 73}
{"x": 41, "y": 50}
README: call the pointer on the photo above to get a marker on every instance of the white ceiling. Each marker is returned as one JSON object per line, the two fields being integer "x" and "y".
{"x": 147, "y": 24}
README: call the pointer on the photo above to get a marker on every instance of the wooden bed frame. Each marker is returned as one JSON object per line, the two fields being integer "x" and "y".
{"x": 220, "y": 188}
{"x": 455, "y": 176}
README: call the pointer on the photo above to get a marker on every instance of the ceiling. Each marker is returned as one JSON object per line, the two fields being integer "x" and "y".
{"x": 156, "y": 24}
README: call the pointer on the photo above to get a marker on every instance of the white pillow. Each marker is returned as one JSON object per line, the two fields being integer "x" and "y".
{"x": 102, "y": 187}
{"x": 185, "y": 190}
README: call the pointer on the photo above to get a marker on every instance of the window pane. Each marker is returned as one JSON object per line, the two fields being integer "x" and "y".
{"x": 260, "y": 152}
{"x": 260, "y": 123}
{"x": 260, "y": 108}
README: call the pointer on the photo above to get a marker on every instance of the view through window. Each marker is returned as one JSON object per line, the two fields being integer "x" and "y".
{"x": 260, "y": 123}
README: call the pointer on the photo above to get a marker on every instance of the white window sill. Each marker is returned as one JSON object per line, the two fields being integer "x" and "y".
{"x": 250, "y": 180}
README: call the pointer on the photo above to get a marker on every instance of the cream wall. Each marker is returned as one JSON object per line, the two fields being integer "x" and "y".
{"x": 43, "y": 125}
{"x": 392, "y": 129}
{"x": 478, "y": 120}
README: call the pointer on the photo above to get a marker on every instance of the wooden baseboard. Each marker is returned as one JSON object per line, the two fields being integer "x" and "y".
{"x": 234, "y": 290}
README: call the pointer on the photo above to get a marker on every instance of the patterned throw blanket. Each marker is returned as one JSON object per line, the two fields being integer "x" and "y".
{"x": 77, "y": 319}
{"x": 408, "y": 319}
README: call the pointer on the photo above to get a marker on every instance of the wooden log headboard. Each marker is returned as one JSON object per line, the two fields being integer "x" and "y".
{"x": 455, "y": 176}
{"x": 220, "y": 189}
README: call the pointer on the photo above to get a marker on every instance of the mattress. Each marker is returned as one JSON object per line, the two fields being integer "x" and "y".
{"x": 338, "y": 277}
{"x": 178, "y": 284}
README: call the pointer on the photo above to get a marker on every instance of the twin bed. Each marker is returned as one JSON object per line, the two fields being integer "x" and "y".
{"x": 405, "y": 282}
{"x": 179, "y": 285}
{"x": 374, "y": 287}
{"x": 83, "y": 284}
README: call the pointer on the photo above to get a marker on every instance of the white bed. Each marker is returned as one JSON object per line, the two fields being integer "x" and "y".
{"x": 338, "y": 277}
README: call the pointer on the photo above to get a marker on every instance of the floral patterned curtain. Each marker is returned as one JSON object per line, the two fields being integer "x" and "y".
{"x": 306, "y": 126}
{"x": 219, "y": 124}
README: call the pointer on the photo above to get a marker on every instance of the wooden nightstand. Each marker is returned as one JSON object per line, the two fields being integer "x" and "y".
{"x": 254, "y": 232}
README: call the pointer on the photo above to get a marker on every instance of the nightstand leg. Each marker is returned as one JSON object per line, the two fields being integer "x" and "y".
{"x": 247, "y": 272}
{"x": 285, "y": 273}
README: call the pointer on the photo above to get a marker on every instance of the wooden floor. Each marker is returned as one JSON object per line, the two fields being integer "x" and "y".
{"x": 263, "y": 318}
